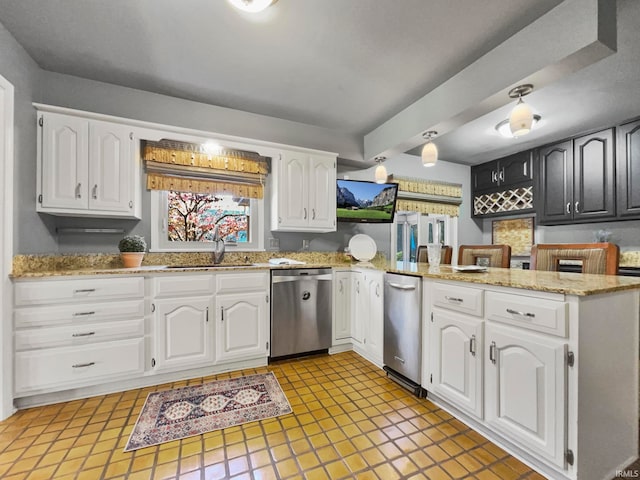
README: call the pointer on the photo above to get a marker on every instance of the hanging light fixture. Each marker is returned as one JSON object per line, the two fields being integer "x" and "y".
{"x": 504, "y": 129}
{"x": 429, "y": 151}
{"x": 252, "y": 6}
{"x": 381, "y": 172}
{"x": 521, "y": 117}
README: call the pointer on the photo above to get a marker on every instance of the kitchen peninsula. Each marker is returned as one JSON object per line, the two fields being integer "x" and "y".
{"x": 545, "y": 364}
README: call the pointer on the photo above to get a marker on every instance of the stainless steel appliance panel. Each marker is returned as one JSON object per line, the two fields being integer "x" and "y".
{"x": 403, "y": 325}
{"x": 301, "y": 311}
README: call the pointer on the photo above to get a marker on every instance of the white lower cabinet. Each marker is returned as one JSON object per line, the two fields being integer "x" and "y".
{"x": 525, "y": 390}
{"x": 184, "y": 337}
{"x": 358, "y": 307}
{"x": 455, "y": 348}
{"x": 242, "y": 316}
{"x": 72, "y": 333}
{"x": 374, "y": 316}
{"x": 241, "y": 326}
{"x": 341, "y": 307}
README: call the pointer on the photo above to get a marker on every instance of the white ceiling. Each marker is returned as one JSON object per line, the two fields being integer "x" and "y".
{"x": 347, "y": 65}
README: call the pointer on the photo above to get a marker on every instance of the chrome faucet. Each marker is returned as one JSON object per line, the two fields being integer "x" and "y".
{"x": 218, "y": 247}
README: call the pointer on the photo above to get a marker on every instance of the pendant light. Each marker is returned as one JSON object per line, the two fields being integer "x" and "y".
{"x": 252, "y": 6}
{"x": 429, "y": 151}
{"x": 381, "y": 172}
{"x": 521, "y": 117}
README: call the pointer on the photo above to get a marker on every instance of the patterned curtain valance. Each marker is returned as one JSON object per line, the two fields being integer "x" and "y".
{"x": 188, "y": 167}
{"x": 427, "y": 196}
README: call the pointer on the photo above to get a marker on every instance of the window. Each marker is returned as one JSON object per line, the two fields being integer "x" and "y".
{"x": 186, "y": 221}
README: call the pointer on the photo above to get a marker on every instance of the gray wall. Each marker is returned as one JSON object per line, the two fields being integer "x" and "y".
{"x": 32, "y": 233}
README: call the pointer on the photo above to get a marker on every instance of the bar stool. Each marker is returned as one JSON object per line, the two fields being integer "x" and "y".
{"x": 599, "y": 258}
{"x": 497, "y": 255}
{"x": 445, "y": 254}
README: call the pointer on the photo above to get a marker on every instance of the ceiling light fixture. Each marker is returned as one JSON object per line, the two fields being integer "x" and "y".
{"x": 252, "y": 6}
{"x": 429, "y": 151}
{"x": 504, "y": 129}
{"x": 521, "y": 117}
{"x": 381, "y": 172}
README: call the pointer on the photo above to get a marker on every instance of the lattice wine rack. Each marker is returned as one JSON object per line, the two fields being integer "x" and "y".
{"x": 507, "y": 201}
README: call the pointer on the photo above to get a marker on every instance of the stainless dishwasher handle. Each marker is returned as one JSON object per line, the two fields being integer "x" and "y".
{"x": 295, "y": 278}
{"x": 399, "y": 286}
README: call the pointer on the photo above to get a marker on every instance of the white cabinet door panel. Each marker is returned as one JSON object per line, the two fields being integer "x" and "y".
{"x": 184, "y": 338}
{"x": 456, "y": 360}
{"x": 293, "y": 205}
{"x": 525, "y": 389}
{"x": 342, "y": 306}
{"x": 241, "y": 326}
{"x": 64, "y": 166}
{"x": 110, "y": 167}
{"x": 374, "y": 316}
{"x": 322, "y": 193}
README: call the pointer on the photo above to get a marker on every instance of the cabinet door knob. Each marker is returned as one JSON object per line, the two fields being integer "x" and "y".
{"x": 78, "y": 193}
{"x": 313, "y": 213}
{"x": 305, "y": 213}
{"x": 577, "y": 207}
{"x": 568, "y": 207}
{"x": 94, "y": 192}
{"x": 472, "y": 345}
{"x": 494, "y": 176}
{"x": 501, "y": 177}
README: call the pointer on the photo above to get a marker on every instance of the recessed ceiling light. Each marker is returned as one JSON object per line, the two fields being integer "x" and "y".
{"x": 251, "y": 6}
{"x": 504, "y": 129}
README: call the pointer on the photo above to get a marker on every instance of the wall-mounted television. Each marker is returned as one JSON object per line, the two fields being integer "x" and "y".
{"x": 366, "y": 202}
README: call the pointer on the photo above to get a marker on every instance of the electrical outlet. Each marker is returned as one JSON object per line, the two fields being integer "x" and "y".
{"x": 274, "y": 243}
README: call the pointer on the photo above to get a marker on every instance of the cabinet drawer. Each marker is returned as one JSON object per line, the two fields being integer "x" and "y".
{"x": 77, "y": 290}
{"x": 181, "y": 285}
{"x": 242, "y": 282}
{"x": 59, "y": 368}
{"x": 77, "y": 313}
{"x": 461, "y": 299}
{"x": 541, "y": 315}
{"x": 78, "y": 334}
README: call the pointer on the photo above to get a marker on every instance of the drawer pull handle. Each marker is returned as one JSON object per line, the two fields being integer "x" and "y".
{"x": 83, "y": 365}
{"x": 454, "y": 299}
{"x": 472, "y": 345}
{"x": 522, "y": 314}
{"x": 401, "y": 360}
{"x": 86, "y": 334}
{"x": 84, "y": 290}
{"x": 492, "y": 352}
{"x": 83, "y": 314}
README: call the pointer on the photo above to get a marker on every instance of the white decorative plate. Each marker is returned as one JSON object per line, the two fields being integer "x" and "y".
{"x": 470, "y": 268}
{"x": 362, "y": 247}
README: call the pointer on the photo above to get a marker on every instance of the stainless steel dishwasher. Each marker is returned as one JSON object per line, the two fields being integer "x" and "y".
{"x": 403, "y": 330}
{"x": 301, "y": 311}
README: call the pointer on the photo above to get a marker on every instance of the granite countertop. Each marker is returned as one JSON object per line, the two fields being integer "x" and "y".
{"x": 554, "y": 282}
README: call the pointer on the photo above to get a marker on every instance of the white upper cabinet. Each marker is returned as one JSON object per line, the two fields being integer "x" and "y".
{"x": 87, "y": 168}
{"x": 304, "y": 192}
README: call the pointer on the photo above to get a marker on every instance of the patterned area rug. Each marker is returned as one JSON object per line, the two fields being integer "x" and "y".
{"x": 188, "y": 411}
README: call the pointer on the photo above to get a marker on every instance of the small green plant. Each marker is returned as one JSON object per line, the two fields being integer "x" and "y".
{"x": 132, "y": 243}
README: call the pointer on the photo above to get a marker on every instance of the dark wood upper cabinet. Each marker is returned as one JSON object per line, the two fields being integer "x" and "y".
{"x": 628, "y": 167}
{"x": 503, "y": 173}
{"x": 576, "y": 180}
{"x": 594, "y": 182}
{"x": 554, "y": 196}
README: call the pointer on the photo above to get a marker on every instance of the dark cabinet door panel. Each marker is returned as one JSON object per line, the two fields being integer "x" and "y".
{"x": 485, "y": 176}
{"x": 555, "y": 180}
{"x": 628, "y": 164}
{"x": 594, "y": 176}
{"x": 516, "y": 168}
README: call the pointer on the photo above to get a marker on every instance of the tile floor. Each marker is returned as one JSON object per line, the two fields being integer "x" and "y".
{"x": 349, "y": 421}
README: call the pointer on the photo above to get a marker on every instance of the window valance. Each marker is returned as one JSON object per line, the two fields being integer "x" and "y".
{"x": 189, "y": 167}
{"x": 427, "y": 196}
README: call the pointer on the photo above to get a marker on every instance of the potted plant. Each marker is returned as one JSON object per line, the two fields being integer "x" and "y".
{"x": 132, "y": 248}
